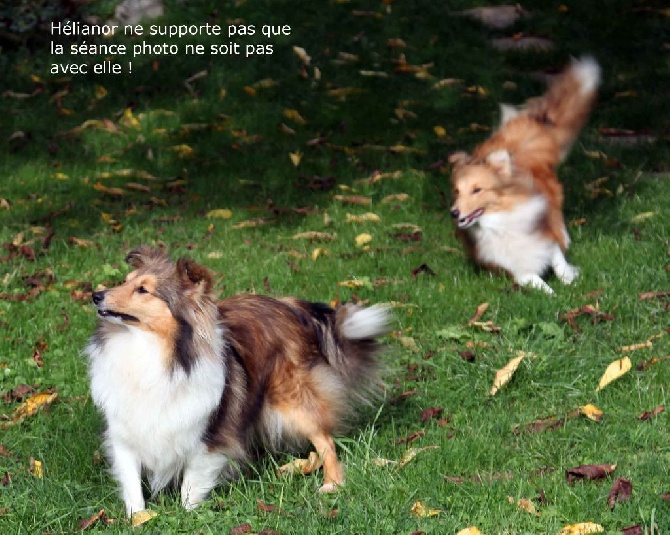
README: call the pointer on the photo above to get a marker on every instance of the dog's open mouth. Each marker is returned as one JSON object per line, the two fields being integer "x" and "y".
{"x": 469, "y": 219}
{"x": 110, "y": 314}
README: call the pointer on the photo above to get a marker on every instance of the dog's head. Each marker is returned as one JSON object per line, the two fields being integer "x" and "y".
{"x": 477, "y": 185}
{"x": 157, "y": 293}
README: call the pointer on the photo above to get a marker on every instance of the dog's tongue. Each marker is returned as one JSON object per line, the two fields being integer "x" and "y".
{"x": 474, "y": 215}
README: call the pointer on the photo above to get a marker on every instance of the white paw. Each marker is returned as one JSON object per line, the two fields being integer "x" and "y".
{"x": 328, "y": 487}
{"x": 534, "y": 281}
{"x": 567, "y": 274}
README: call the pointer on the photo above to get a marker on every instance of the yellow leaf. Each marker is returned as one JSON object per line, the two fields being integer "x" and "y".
{"x": 36, "y": 468}
{"x": 319, "y": 251}
{"x": 138, "y": 187}
{"x": 265, "y": 83}
{"x": 472, "y": 530}
{"x": 249, "y": 91}
{"x": 80, "y": 242}
{"x": 30, "y": 407}
{"x": 294, "y": 115}
{"x": 367, "y": 217}
{"x": 114, "y": 192}
{"x": 642, "y": 217}
{"x": 591, "y": 412}
{"x": 420, "y": 510}
{"x": 582, "y": 528}
{"x": 363, "y": 239}
{"x": 439, "y": 131}
{"x": 215, "y": 255}
{"x": 314, "y": 236}
{"x": 615, "y": 370}
{"x": 222, "y": 93}
{"x": 128, "y": 119}
{"x": 342, "y": 92}
{"x": 60, "y": 176}
{"x": 295, "y": 157}
{"x": 354, "y": 283}
{"x": 633, "y": 347}
{"x": 360, "y": 200}
{"x": 251, "y": 223}
{"x": 302, "y": 466}
{"x": 503, "y": 375}
{"x": 183, "y": 150}
{"x": 100, "y": 92}
{"x": 525, "y": 505}
{"x": 219, "y": 213}
{"x": 105, "y": 158}
{"x": 411, "y": 453}
{"x": 142, "y": 517}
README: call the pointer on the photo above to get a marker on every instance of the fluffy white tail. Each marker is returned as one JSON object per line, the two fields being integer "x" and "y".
{"x": 363, "y": 323}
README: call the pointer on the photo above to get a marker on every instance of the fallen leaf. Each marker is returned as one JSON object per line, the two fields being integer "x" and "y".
{"x": 252, "y": 223}
{"x": 318, "y": 252}
{"x": 354, "y": 199}
{"x": 100, "y": 516}
{"x": 582, "y": 528}
{"x": 589, "y": 471}
{"x": 504, "y": 374}
{"x": 479, "y": 312}
{"x": 615, "y": 370}
{"x": 314, "y": 236}
{"x": 36, "y": 468}
{"x": 591, "y": 412}
{"x": 522, "y": 42}
{"x": 302, "y": 466}
{"x": 183, "y": 150}
{"x": 548, "y": 423}
{"x": 302, "y": 54}
{"x": 219, "y": 213}
{"x": 643, "y": 217}
{"x": 411, "y": 453}
{"x": 653, "y": 295}
{"x": 295, "y": 157}
{"x": 30, "y": 407}
{"x": 294, "y": 115}
{"x": 649, "y": 414}
{"x": 393, "y": 197}
{"x": 432, "y": 412}
{"x": 114, "y": 192}
{"x": 620, "y": 491}
{"x": 420, "y": 510}
{"x": 367, "y": 217}
{"x": 472, "y": 530}
{"x": 633, "y": 530}
{"x": 142, "y": 517}
{"x": 362, "y": 282}
{"x": 363, "y": 239}
{"x": 525, "y": 505}
{"x": 635, "y": 347}
{"x": 495, "y": 16}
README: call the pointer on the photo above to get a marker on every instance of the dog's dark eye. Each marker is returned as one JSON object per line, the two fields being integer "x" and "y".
{"x": 142, "y": 290}
{"x": 476, "y": 190}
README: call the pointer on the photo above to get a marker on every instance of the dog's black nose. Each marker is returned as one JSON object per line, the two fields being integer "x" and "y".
{"x": 455, "y": 213}
{"x": 98, "y": 297}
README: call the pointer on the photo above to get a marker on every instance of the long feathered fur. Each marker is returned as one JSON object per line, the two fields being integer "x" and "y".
{"x": 190, "y": 385}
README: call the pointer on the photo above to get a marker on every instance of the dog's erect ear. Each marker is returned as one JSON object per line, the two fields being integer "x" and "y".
{"x": 459, "y": 158}
{"x": 501, "y": 162}
{"x": 194, "y": 276}
{"x": 139, "y": 256}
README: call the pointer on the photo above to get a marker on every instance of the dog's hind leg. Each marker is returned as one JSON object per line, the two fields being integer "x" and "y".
{"x": 565, "y": 272}
{"x": 201, "y": 475}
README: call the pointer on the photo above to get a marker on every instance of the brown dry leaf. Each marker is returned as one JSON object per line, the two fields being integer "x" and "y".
{"x": 393, "y": 197}
{"x": 142, "y": 517}
{"x": 633, "y": 530}
{"x": 478, "y": 313}
{"x": 648, "y": 363}
{"x": 504, "y": 374}
{"x": 114, "y": 192}
{"x": 649, "y": 414}
{"x": 252, "y": 223}
{"x": 30, "y": 407}
{"x": 589, "y": 471}
{"x": 183, "y": 150}
{"x": 100, "y": 516}
{"x": 582, "y": 528}
{"x": 430, "y": 413}
{"x": 302, "y": 466}
{"x": 548, "y": 423}
{"x": 313, "y": 235}
{"x": 635, "y": 347}
{"x": 653, "y": 295}
{"x": 360, "y": 200}
{"x": 420, "y": 510}
{"x": 135, "y": 186}
{"x": 620, "y": 491}
{"x": 615, "y": 370}
{"x": 343, "y": 92}
{"x": 587, "y": 310}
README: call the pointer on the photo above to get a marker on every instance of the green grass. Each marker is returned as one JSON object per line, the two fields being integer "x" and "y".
{"x": 241, "y": 162}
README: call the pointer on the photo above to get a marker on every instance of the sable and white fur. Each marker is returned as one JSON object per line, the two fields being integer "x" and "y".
{"x": 508, "y": 202}
{"x": 189, "y": 385}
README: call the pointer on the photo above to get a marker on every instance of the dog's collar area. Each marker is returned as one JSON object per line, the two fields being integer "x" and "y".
{"x": 106, "y": 313}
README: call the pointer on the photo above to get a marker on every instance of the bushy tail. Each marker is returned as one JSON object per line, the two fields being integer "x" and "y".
{"x": 355, "y": 350}
{"x": 565, "y": 106}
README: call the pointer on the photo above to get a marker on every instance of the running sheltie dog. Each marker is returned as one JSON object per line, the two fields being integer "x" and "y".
{"x": 508, "y": 202}
{"x": 189, "y": 385}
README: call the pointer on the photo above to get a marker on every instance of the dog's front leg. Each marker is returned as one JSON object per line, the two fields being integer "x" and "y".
{"x": 127, "y": 470}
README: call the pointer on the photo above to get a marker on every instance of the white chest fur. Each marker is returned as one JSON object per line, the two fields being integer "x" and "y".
{"x": 157, "y": 413}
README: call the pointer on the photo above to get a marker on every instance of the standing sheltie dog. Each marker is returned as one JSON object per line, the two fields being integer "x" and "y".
{"x": 508, "y": 202}
{"x": 189, "y": 385}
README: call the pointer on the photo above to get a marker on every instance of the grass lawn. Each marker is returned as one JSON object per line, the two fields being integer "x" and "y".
{"x": 94, "y": 165}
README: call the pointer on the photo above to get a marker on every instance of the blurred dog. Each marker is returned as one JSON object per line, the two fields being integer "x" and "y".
{"x": 508, "y": 202}
{"x": 189, "y": 385}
